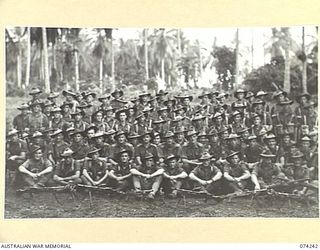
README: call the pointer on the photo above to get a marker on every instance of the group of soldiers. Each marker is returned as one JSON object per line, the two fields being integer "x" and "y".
{"x": 215, "y": 142}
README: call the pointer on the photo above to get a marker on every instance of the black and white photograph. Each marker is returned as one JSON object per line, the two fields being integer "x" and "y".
{"x": 161, "y": 122}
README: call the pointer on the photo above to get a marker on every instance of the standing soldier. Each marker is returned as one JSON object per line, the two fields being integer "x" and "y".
{"x": 78, "y": 122}
{"x": 109, "y": 118}
{"x": 47, "y": 108}
{"x": 240, "y": 95}
{"x": 52, "y": 97}
{"x": 35, "y": 94}
{"x": 105, "y": 101}
{"x": 261, "y": 95}
{"x": 186, "y": 102}
{"x": 70, "y": 97}
{"x": 58, "y": 146}
{"x": 161, "y": 97}
{"x": 66, "y": 108}
{"x": 57, "y": 122}
{"x": 122, "y": 124}
{"x": 97, "y": 119}
{"x": 36, "y": 121}
{"x": 20, "y": 121}
{"x": 117, "y": 102}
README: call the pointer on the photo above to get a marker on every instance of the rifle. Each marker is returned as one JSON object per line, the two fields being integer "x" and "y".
{"x": 57, "y": 189}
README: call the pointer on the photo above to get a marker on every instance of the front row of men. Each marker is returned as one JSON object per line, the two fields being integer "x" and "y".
{"x": 213, "y": 176}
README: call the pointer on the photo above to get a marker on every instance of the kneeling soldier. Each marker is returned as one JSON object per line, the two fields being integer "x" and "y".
{"x": 95, "y": 169}
{"x": 37, "y": 170}
{"x": 207, "y": 175}
{"x": 148, "y": 175}
{"x": 120, "y": 172}
{"x": 67, "y": 170}
{"x": 173, "y": 176}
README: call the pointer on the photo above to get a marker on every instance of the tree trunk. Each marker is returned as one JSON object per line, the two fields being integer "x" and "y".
{"x": 146, "y": 61}
{"x": 162, "y": 70}
{"x": 252, "y": 50}
{"x": 46, "y": 60}
{"x": 101, "y": 75}
{"x": 237, "y": 60}
{"x": 19, "y": 69}
{"x": 28, "y": 65}
{"x": 286, "y": 84}
{"x": 112, "y": 64}
{"x": 304, "y": 69}
{"x": 200, "y": 62}
{"x": 76, "y": 61}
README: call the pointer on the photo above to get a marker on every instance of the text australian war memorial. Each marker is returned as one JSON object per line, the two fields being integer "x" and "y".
{"x": 159, "y": 115}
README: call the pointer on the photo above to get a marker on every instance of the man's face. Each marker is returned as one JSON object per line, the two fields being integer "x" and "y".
{"x": 214, "y": 138}
{"x": 109, "y": 113}
{"x": 56, "y": 115}
{"x": 131, "y": 112}
{"x": 172, "y": 163}
{"x": 305, "y": 144}
{"x": 121, "y": 139}
{"x": 272, "y": 143}
{"x": 297, "y": 162}
{"x": 286, "y": 139}
{"x": 225, "y": 134}
{"x": 90, "y": 133}
{"x": 47, "y": 109}
{"x": 170, "y": 140}
{"x": 186, "y": 101}
{"x": 164, "y": 113}
{"x": 237, "y": 118}
{"x": 24, "y": 111}
{"x": 124, "y": 157}
{"x": 89, "y": 98}
{"x": 122, "y": 116}
{"x": 193, "y": 138}
{"x": 240, "y": 96}
{"x": 77, "y": 137}
{"x": 205, "y": 99}
{"x": 144, "y": 98}
{"x": 14, "y": 137}
{"x": 149, "y": 163}
{"x": 66, "y": 109}
{"x": 157, "y": 140}
{"x": 253, "y": 142}
{"x": 245, "y": 135}
{"x": 78, "y": 117}
{"x": 235, "y": 159}
{"x": 116, "y": 95}
{"x": 99, "y": 140}
{"x": 233, "y": 142}
{"x": 69, "y": 98}
{"x": 281, "y": 98}
{"x": 258, "y": 108}
{"x": 59, "y": 138}
{"x": 95, "y": 156}
{"x": 180, "y": 136}
{"x": 219, "y": 119}
{"x": 267, "y": 160}
{"x": 146, "y": 138}
{"x": 38, "y": 154}
{"x": 257, "y": 121}
{"x": 37, "y": 109}
{"x": 99, "y": 116}
{"x": 206, "y": 163}
{"x": 142, "y": 119}
{"x": 68, "y": 159}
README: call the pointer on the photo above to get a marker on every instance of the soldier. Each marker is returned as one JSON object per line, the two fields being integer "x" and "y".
{"x": 36, "y": 121}
{"x": 95, "y": 169}
{"x": 236, "y": 174}
{"x": 99, "y": 143}
{"x": 122, "y": 124}
{"x": 253, "y": 150}
{"x": 35, "y": 94}
{"x": 87, "y": 111}
{"x": 131, "y": 115}
{"x": 38, "y": 139}
{"x": 279, "y": 96}
{"x": 173, "y": 176}
{"x": 233, "y": 143}
{"x": 52, "y": 97}
{"x": 207, "y": 175}
{"x": 205, "y": 102}
{"x": 78, "y": 146}
{"x": 169, "y": 146}
{"x": 186, "y": 102}
{"x": 57, "y": 122}
{"x": 170, "y": 103}
{"x": 146, "y": 147}
{"x": 237, "y": 122}
{"x": 163, "y": 113}
{"x": 180, "y": 136}
{"x": 109, "y": 118}
{"x": 117, "y": 102}
{"x": 191, "y": 151}
{"x": 265, "y": 172}
{"x": 250, "y": 99}
{"x": 272, "y": 146}
{"x": 222, "y": 97}
{"x": 161, "y": 97}
{"x": 120, "y": 172}
{"x": 148, "y": 175}
{"x": 156, "y": 138}
{"x": 105, "y": 101}
{"x": 47, "y": 108}
{"x": 311, "y": 116}
{"x": 70, "y": 98}
{"x": 261, "y": 95}
{"x": 16, "y": 152}
{"x": 134, "y": 139}
{"x": 98, "y": 121}
{"x": 121, "y": 144}
{"x": 37, "y": 170}
{"x": 144, "y": 97}
{"x": 257, "y": 125}
{"x": 20, "y": 121}
{"x": 78, "y": 122}
{"x": 258, "y": 107}
{"x": 199, "y": 123}
{"x": 66, "y": 108}
{"x": 67, "y": 170}
{"x": 142, "y": 125}
{"x": 89, "y": 97}
{"x": 57, "y": 147}
{"x": 240, "y": 95}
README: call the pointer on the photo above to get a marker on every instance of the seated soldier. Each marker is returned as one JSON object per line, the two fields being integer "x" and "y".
{"x": 37, "y": 170}
{"x": 207, "y": 175}
{"x": 236, "y": 174}
{"x": 298, "y": 170}
{"x": 67, "y": 170}
{"x": 120, "y": 172}
{"x": 95, "y": 169}
{"x": 16, "y": 150}
{"x": 266, "y": 172}
{"x": 173, "y": 176}
{"x": 148, "y": 175}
